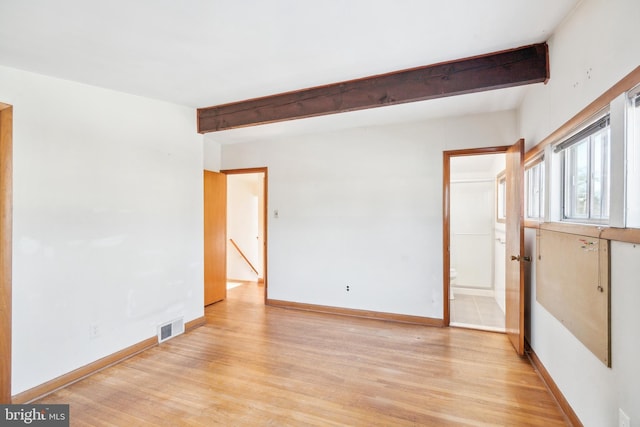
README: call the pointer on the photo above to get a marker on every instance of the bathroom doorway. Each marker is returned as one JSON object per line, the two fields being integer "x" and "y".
{"x": 477, "y": 242}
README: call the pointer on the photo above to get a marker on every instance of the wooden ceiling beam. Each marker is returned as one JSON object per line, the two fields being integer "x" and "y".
{"x": 498, "y": 70}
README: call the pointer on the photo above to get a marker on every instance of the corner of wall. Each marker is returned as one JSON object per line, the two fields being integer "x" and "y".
{"x": 212, "y": 154}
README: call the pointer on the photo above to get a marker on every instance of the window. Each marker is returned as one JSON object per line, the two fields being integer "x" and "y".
{"x": 591, "y": 173}
{"x": 585, "y": 161}
{"x": 534, "y": 190}
{"x": 633, "y": 160}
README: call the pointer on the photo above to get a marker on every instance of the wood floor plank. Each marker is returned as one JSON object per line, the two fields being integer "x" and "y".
{"x": 256, "y": 365}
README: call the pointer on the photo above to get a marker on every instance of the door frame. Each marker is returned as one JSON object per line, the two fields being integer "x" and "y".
{"x": 264, "y": 213}
{"x": 6, "y": 209}
{"x": 446, "y": 215}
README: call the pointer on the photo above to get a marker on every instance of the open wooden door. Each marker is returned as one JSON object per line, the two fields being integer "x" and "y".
{"x": 6, "y": 209}
{"x": 215, "y": 237}
{"x": 514, "y": 316}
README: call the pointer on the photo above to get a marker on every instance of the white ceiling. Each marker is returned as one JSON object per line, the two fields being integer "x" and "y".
{"x": 200, "y": 53}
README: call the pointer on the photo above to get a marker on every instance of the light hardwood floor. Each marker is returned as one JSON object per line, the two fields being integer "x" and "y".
{"x": 255, "y": 365}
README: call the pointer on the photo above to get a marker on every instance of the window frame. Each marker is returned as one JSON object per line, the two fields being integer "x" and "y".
{"x": 616, "y": 100}
{"x": 539, "y": 164}
{"x": 566, "y": 150}
{"x": 632, "y": 159}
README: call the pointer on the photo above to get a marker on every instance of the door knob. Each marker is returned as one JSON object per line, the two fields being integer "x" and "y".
{"x": 517, "y": 258}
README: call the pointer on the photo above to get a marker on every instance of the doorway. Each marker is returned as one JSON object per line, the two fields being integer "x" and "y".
{"x": 246, "y": 257}
{"x": 477, "y": 240}
{"x": 514, "y": 236}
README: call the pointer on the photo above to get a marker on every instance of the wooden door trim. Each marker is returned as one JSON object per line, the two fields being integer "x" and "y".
{"x": 6, "y": 209}
{"x": 446, "y": 220}
{"x": 265, "y": 214}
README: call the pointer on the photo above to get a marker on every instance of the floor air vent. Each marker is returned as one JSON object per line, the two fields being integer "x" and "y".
{"x": 170, "y": 329}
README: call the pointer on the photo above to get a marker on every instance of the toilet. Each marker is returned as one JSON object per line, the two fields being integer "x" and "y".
{"x": 452, "y": 281}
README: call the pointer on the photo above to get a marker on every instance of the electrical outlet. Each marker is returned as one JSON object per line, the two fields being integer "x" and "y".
{"x": 348, "y": 288}
{"x": 623, "y": 419}
{"x": 94, "y": 330}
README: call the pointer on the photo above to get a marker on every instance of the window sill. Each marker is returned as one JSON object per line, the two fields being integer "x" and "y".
{"x": 629, "y": 235}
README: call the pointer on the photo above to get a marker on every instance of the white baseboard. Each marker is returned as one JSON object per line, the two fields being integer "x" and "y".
{"x": 473, "y": 291}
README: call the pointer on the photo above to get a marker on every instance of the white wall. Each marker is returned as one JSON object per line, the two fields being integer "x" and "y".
{"x": 107, "y": 222}
{"x": 471, "y": 229}
{"x": 363, "y": 208}
{"x": 499, "y": 248}
{"x": 500, "y": 254}
{"x": 594, "y": 48}
{"x": 212, "y": 154}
